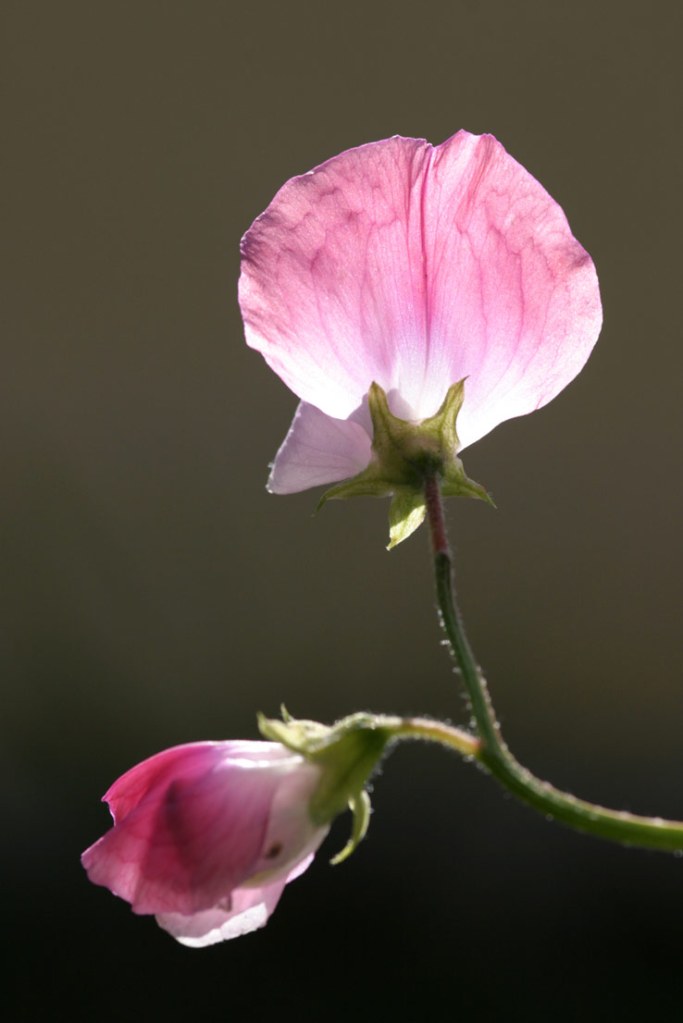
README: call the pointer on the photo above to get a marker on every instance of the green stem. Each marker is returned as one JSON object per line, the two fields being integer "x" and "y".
{"x": 493, "y": 753}
{"x": 433, "y": 731}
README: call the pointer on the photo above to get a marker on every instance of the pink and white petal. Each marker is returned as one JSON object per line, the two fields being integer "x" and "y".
{"x": 194, "y": 838}
{"x": 330, "y": 288}
{"x": 513, "y": 302}
{"x": 416, "y": 266}
{"x": 190, "y": 760}
{"x": 292, "y": 837}
{"x": 246, "y": 910}
{"x": 317, "y": 450}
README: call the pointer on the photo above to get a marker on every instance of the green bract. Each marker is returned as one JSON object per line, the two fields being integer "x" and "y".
{"x": 404, "y": 455}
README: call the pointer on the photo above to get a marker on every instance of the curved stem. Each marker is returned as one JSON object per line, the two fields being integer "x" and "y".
{"x": 493, "y": 753}
{"x": 433, "y": 731}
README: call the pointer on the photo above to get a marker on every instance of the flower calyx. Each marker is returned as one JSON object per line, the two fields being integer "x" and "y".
{"x": 404, "y": 455}
{"x": 347, "y": 753}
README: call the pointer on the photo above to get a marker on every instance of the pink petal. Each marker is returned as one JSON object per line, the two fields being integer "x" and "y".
{"x": 318, "y": 450}
{"x": 328, "y": 289}
{"x": 513, "y": 300}
{"x": 415, "y": 266}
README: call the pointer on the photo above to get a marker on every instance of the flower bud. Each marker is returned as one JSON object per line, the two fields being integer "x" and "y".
{"x": 207, "y": 835}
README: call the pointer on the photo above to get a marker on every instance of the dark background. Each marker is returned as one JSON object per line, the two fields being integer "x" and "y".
{"x": 155, "y": 594}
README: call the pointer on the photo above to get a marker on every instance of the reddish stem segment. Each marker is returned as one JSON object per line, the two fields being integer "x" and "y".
{"x": 437, "y": 522}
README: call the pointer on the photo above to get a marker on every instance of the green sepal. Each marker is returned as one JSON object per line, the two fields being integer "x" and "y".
{"x": 298, "y": 735}
{"x": 347, "y": 754}
{"x": 404, "y": 454}
{"x": 361, "y": 809}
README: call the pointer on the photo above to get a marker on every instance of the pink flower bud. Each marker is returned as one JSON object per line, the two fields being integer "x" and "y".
{"x": 414, "y": 267}
{"x": 207, "y": 835}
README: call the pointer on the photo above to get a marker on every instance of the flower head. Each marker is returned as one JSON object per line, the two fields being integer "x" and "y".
{"x": 413, "y": 267}
{"x": 207, "y": 835}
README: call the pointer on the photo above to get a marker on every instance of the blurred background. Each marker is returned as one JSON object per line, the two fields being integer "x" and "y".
{"x": 156, "y": 594}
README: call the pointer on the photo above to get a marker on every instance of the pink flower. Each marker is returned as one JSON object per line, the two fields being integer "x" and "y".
{"x": 207, "y": 835}
{"x": 413, "y": 266}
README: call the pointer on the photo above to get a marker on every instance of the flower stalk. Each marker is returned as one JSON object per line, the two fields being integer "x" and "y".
{"x": 492, "y": 752}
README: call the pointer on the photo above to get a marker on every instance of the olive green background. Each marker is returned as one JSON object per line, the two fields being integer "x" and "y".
{"x": 154, "y": 593}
